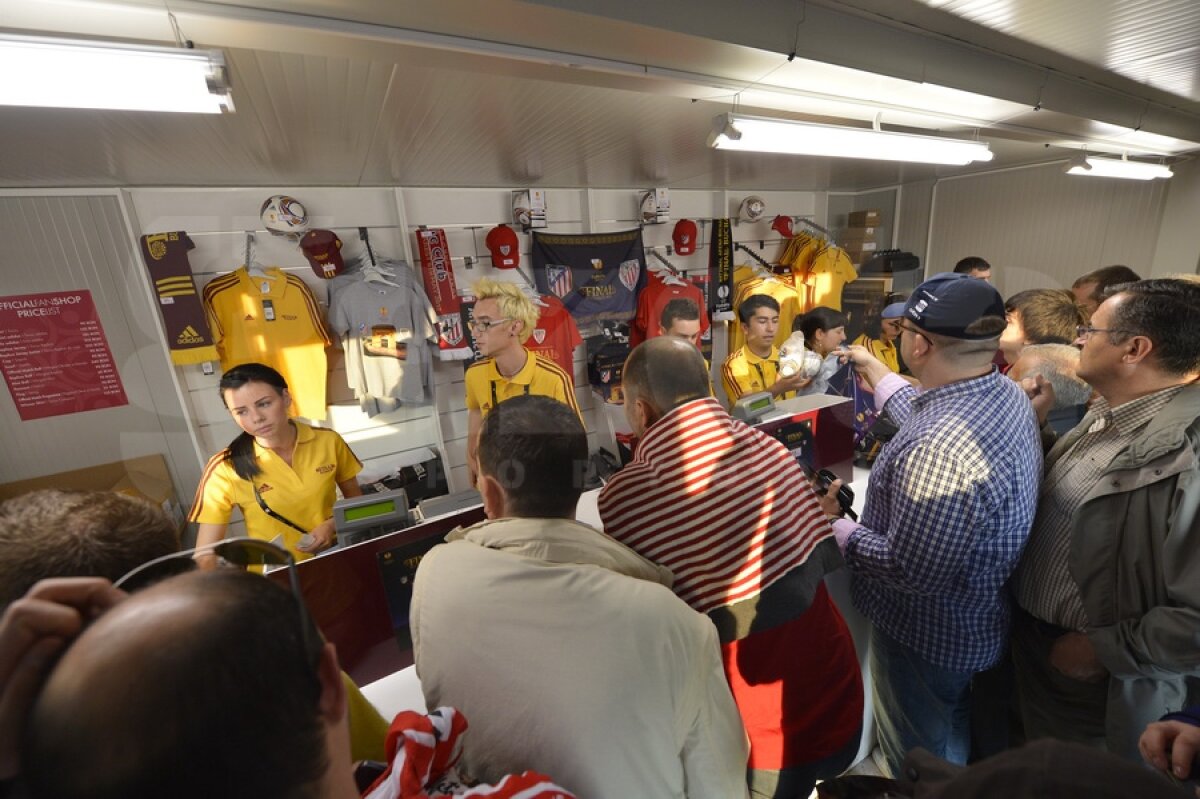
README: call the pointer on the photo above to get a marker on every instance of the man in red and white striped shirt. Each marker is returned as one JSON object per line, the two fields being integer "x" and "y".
{"x": 728, "y": 510}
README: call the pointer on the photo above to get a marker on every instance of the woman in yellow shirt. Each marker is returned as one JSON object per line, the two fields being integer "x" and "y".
{"x": 881, "y": 335}
{"x": 281, "y": 473}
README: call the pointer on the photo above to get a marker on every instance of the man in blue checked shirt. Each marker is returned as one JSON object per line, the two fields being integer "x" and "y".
{"x": 948, "y": 510}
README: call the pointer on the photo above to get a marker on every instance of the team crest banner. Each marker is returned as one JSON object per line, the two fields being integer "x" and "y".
{"x": 437, "y": 273}
{"x": 166, "y": 259}
{"x": 596, "y": 275}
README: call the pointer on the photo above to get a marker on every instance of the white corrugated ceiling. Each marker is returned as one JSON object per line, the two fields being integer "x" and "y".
{"x": 501, "y": 92}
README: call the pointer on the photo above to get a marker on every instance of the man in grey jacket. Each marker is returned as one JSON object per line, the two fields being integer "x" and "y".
{"x": 566, "y": 650}
{"x": 1110, "y": 579}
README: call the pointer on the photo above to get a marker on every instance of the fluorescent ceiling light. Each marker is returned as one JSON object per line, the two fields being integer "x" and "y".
{"x": 758, "y": 134}
{"x": 1113, "y": 168}
{"x": 68, "y": 73}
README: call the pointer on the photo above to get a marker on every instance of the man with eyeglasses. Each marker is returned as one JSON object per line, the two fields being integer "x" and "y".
{"x": 1109, "y": 585}
{"x": 948, "y": 509}
{"x": 502, "y": 320}
{"x": 567, "y": 650}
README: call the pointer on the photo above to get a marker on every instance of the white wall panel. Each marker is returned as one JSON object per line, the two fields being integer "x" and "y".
{"x": 216, "y": 219}
{"x": 1039, "y": 227}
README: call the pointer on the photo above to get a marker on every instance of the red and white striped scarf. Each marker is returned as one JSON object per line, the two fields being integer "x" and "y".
{"x": 422, "y": 751}
{"x": 725, "y": 507}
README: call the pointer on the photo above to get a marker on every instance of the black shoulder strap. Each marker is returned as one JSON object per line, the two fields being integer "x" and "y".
{"x": 277, "y": 517}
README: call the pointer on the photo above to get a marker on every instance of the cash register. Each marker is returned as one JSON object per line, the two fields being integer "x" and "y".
{"x": 358, "y": 519}
{"x": 818, "y": 429}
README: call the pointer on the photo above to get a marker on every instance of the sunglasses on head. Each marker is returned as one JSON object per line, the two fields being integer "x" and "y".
{"x": 236, "y": 552}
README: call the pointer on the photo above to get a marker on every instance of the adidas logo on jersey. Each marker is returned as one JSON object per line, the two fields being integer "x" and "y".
{"x": 189, "y": 336}
{"x": 248, "y": 318}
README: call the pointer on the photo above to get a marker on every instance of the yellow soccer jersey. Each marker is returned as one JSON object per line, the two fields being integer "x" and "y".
{"x": 302, "y": 493}
{"x": 880, "y": 349}
{"x": 831, "y": 270}
{"x": 778, "y": 287}
{"x": 273, "y": 320}
{"x": 745, "y": 373}
{"x": 486, "y": 387}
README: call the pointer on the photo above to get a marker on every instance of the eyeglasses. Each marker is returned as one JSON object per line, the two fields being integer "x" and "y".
{"x": 1084, "y": 331}
{"x": 239, "y": 552}
{"x": 484, "y": 325}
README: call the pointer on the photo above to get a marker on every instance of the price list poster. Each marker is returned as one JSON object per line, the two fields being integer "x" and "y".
{"x": 55, "y": 357}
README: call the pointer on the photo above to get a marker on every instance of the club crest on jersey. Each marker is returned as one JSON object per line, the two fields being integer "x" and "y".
{"x": 558, "y": 279}
{"x": 539, "y": 335}
{"x": 629, "y": 273}
{"x": 452, "y": 331}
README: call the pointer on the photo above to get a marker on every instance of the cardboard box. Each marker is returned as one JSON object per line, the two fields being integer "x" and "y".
{"x": 867, "y": 218}
{"x": 858, "y": 251}
{"x": 146, "y": 477}
{"x": 851, "y": 235}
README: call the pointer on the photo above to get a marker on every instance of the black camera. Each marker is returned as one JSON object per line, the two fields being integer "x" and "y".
{"x": 845, "y": 495}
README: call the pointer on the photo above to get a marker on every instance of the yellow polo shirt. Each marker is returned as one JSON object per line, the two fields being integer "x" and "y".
{"x": 882, "y": 350}
{"x": 745, "y": 373}
{"x": 486, "y": 387}
{"x": 302, "y": 493}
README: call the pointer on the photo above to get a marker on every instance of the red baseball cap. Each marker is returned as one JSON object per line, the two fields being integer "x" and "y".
{"x": 783, "y": 225}
{"x": 684, "y": 237}
{"x": 322, "y": 248}
{"x": 506, "y": 250}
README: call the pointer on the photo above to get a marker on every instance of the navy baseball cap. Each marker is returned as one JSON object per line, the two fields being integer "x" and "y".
{"x": 893, "y": 311}
{"x": 948, "y": 303}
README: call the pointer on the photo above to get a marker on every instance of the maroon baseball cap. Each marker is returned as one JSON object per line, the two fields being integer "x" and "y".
{"x": 684, "y": 237}
{"x": 505, "y": 249}
{"x": 323, "y": 248}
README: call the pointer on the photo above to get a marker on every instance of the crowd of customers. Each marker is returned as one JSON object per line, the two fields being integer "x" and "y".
{"x": 1029, "y": 542}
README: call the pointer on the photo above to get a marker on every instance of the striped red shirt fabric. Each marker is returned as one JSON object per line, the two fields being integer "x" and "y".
{"x": 725, "y": 507}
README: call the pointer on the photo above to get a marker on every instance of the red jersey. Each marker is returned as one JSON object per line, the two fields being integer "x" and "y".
{"x": 650, "y": 306}
{"x": 556, "y": 335}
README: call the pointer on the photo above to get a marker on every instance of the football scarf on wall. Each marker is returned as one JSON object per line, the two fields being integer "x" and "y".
{"x": 720, "y": 272}
{"x": 437, "y": 272}
{"x": 188, "y": 338}
{"x": 596, "y": 275}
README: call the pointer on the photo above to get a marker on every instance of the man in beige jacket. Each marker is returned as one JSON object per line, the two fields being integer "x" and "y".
{"x": 566, "y": 650}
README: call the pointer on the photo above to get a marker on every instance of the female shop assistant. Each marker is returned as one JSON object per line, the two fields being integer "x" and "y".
{"x": 280, "y": 472}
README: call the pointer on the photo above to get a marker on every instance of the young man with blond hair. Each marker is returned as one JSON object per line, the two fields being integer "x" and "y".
{"x": 503, "y": 318}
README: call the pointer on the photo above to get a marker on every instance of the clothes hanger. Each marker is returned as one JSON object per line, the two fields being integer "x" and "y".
{"x": 253, "y": 267}
{"x": 763, "y": 266}
{"x": 669, "y": 274}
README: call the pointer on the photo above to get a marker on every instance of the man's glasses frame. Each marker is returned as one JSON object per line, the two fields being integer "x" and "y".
{"x": 237, "y": 552}
{"x": 484, "y": 325}
{"x": 1086, "y": 331}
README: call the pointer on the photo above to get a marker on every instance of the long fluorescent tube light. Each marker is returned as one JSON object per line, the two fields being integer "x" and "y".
{"x": 759, "y": 134}
{"x": 77, "y": 73}
{"x": 1114, "y": 168}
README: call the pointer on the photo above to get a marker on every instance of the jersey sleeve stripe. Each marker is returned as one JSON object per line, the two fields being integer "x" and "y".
{"x": 314, "y": 311}
{"x": 209, "y": 468}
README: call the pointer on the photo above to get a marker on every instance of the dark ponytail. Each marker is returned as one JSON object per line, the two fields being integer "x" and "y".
{"x": 241, "y": 451}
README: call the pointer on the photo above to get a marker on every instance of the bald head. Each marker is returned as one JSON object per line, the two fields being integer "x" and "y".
{"x": 1056, "y": 363}
{"x": 665, "y": 372}
{"x": 199, "y": 686}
